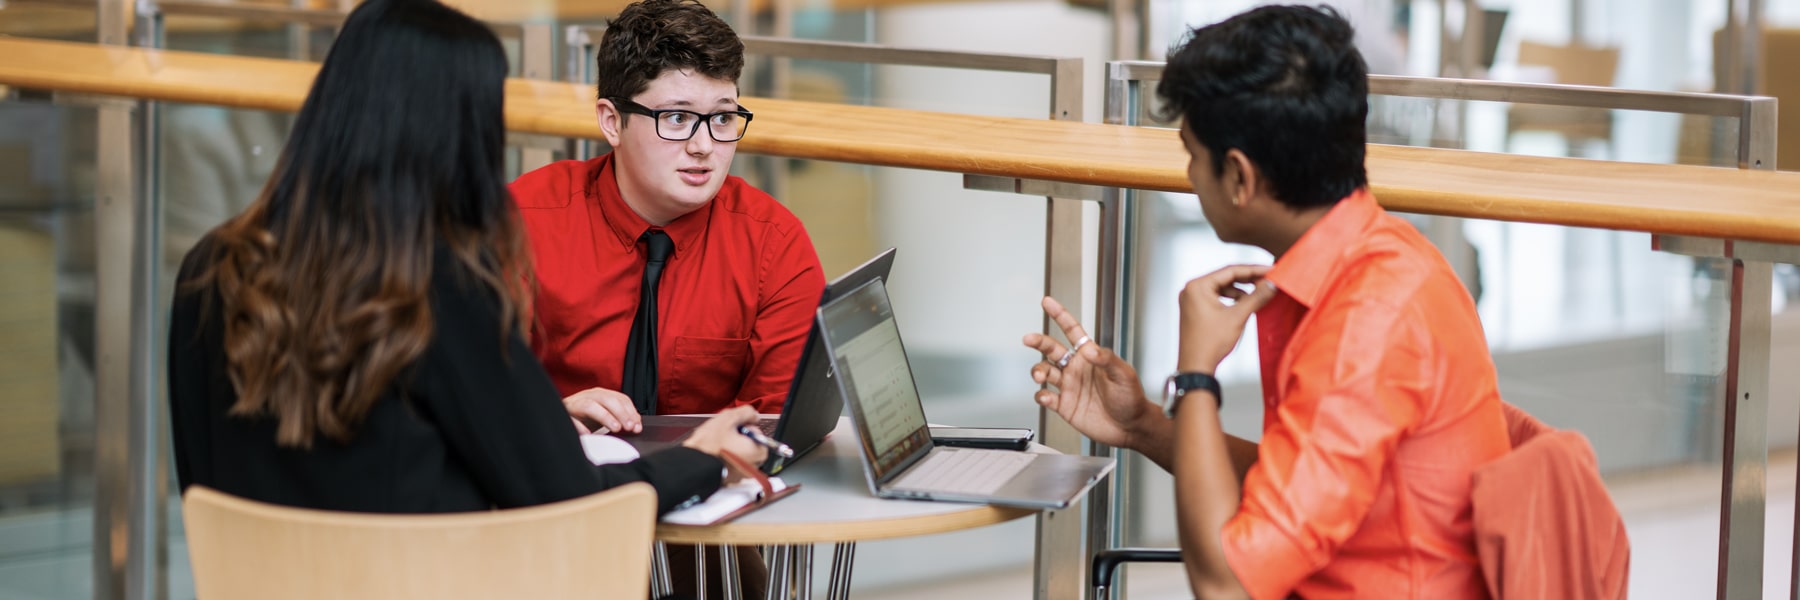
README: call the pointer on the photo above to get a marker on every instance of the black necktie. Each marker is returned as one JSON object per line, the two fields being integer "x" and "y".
{"x": 640, "y": 348}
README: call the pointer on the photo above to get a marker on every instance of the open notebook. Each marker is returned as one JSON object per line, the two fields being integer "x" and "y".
{"x": 730, "y": 502}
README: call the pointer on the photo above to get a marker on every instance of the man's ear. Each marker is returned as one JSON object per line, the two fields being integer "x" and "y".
{"x": 1241, "y": 177}
{"x": 610, "y": 120}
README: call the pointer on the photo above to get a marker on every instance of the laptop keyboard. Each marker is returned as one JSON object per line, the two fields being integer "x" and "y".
{"x": 955, "y": 471}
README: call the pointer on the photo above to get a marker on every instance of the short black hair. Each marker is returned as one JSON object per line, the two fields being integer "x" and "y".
{"x": 653, "y": 36}
{"x": 1286, "y": 86}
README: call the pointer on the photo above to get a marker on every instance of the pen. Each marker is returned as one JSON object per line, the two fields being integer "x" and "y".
{"x": 778, "y": 448}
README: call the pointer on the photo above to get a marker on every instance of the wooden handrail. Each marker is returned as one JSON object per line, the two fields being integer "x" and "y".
{"x": 513, "y": 11}
{"x": 1671, "y": 199}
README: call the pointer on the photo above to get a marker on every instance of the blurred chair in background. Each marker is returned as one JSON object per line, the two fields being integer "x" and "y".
{"x": 1782, "y": 47}
{"x": 1572, "y": 65}
{"x": 1713, "y": 141}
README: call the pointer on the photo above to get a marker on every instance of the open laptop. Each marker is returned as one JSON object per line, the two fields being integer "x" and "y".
{"x": 898, "y": 456}
{"x": 813, "y": 402}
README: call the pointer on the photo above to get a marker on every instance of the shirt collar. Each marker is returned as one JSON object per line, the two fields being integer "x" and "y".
{"x": 626, "y": 225}
{"x": 1309, "y": 265}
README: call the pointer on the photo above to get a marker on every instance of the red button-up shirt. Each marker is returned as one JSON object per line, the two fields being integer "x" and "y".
{"x": 1379, "y": 402}
{"x": 736, "y": 299}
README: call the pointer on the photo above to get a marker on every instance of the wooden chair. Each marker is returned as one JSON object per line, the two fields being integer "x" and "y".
{"x": 1573, "y": 65}
{"x": 597, "y": 546}
{"x": 1778, "y": 48}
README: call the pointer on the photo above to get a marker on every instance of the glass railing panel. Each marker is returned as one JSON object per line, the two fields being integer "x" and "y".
{"x": 1534, "y": 129}
{"x": 830, "y": 191}
{"x": 277, "y": 32}
{"x": 1549, "y": 130}
{"x": 69, "y": 22}
{"x": 305, "y": 34}
{"x": 215, "y": 161}
{"x": 47, "y": 487}
{"x": 264, "y": 37}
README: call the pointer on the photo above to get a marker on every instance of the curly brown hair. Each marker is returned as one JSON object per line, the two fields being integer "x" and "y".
{"x": 653, "y": 36}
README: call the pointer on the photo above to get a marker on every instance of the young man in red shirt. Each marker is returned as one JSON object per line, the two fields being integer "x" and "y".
{"x": 739, "y": 280}
{"x": 1379, "y": 397}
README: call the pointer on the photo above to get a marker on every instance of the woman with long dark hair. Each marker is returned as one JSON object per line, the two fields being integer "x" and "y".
{"x": 355, "y": 339}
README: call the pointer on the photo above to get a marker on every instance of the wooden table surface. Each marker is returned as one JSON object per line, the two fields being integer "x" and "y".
{"x": 834, "y": 505}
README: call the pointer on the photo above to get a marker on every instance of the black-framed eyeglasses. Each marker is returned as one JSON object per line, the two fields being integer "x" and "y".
{"x": 678, "y": 125}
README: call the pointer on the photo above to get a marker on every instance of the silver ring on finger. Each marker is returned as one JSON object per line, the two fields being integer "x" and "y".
{"x": 1070, "y": 355}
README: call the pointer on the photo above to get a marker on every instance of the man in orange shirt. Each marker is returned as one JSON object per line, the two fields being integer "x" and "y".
{"x": 1379, "y": 397}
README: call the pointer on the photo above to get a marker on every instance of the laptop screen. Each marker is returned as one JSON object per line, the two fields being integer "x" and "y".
{"x": 877, "y": 381}
{"x": 813, "y": 388}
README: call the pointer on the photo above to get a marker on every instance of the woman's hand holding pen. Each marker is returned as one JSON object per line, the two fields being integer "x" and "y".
{"x": 720, "y": 434}
{"x": 756, "y": 433}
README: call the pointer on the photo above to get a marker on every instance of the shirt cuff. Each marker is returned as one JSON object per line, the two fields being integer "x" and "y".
{"x": 680, "y": 474}
{"x": 1268, "y": 563}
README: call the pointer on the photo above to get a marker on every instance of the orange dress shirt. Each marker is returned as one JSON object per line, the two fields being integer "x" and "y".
{"x": 736, "y": 298}
{"x": 1379, "y": 403}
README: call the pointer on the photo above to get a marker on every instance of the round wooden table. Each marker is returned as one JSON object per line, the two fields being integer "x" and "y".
{"x": 834, "y": 506}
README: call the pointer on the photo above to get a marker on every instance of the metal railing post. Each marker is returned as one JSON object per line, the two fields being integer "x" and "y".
{"x": 537, "y": 58}
{"x": 1066, "y": 538}
{"x": 119, "y": 528}
{"x": 1744, "y": 487}
{"x": 1117, "y": 304}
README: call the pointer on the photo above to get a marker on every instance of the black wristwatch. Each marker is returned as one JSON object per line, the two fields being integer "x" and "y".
{"x": 1180, "y": 384}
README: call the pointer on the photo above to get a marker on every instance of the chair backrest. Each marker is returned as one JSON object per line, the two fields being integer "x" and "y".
{"x": 596, "y": 546}
{"x": 1572, "y": 65}
{"x": 1777, "y": 48}
{"x": 1575, "y": 64}
{"x": 1780, "y": 50}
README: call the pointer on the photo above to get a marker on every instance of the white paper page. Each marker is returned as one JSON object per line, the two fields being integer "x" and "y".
{"x": 606, "y": 449}
{"x": 722, "y": 502}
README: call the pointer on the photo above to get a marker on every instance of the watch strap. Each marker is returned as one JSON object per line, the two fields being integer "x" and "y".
{"x": 1180, "y": 384}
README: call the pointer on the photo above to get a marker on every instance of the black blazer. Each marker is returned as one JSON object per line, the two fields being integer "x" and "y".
{"x": 474, "y": 424}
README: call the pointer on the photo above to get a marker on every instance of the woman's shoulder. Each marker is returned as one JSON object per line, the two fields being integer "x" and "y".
{"x": 192, "y": 284}
{"x": 196, "y": 301}
{"x": 199, "y": 259}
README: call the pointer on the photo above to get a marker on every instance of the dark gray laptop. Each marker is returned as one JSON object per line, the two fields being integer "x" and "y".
{"x": 813, "y": 402}
{"x": 898, "y": 457}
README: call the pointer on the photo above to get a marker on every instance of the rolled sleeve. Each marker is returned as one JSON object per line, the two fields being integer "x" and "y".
{"x": 1266, "y": 562}
{"x": 1354, "y": 386}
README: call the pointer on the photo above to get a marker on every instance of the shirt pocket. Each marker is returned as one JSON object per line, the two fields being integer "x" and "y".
{"x": 707, "y": 372}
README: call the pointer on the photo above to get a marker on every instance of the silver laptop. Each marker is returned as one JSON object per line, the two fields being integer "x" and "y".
{"x": 898, "y": 456}
{"x": 813, "y": 402}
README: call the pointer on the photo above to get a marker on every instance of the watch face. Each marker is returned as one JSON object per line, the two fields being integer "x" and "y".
{"x": 1174, "y": 390}
{"x": 1169, "y": 398}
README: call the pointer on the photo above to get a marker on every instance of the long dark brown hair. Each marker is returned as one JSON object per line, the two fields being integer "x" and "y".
{"x": 325, "y": 280}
